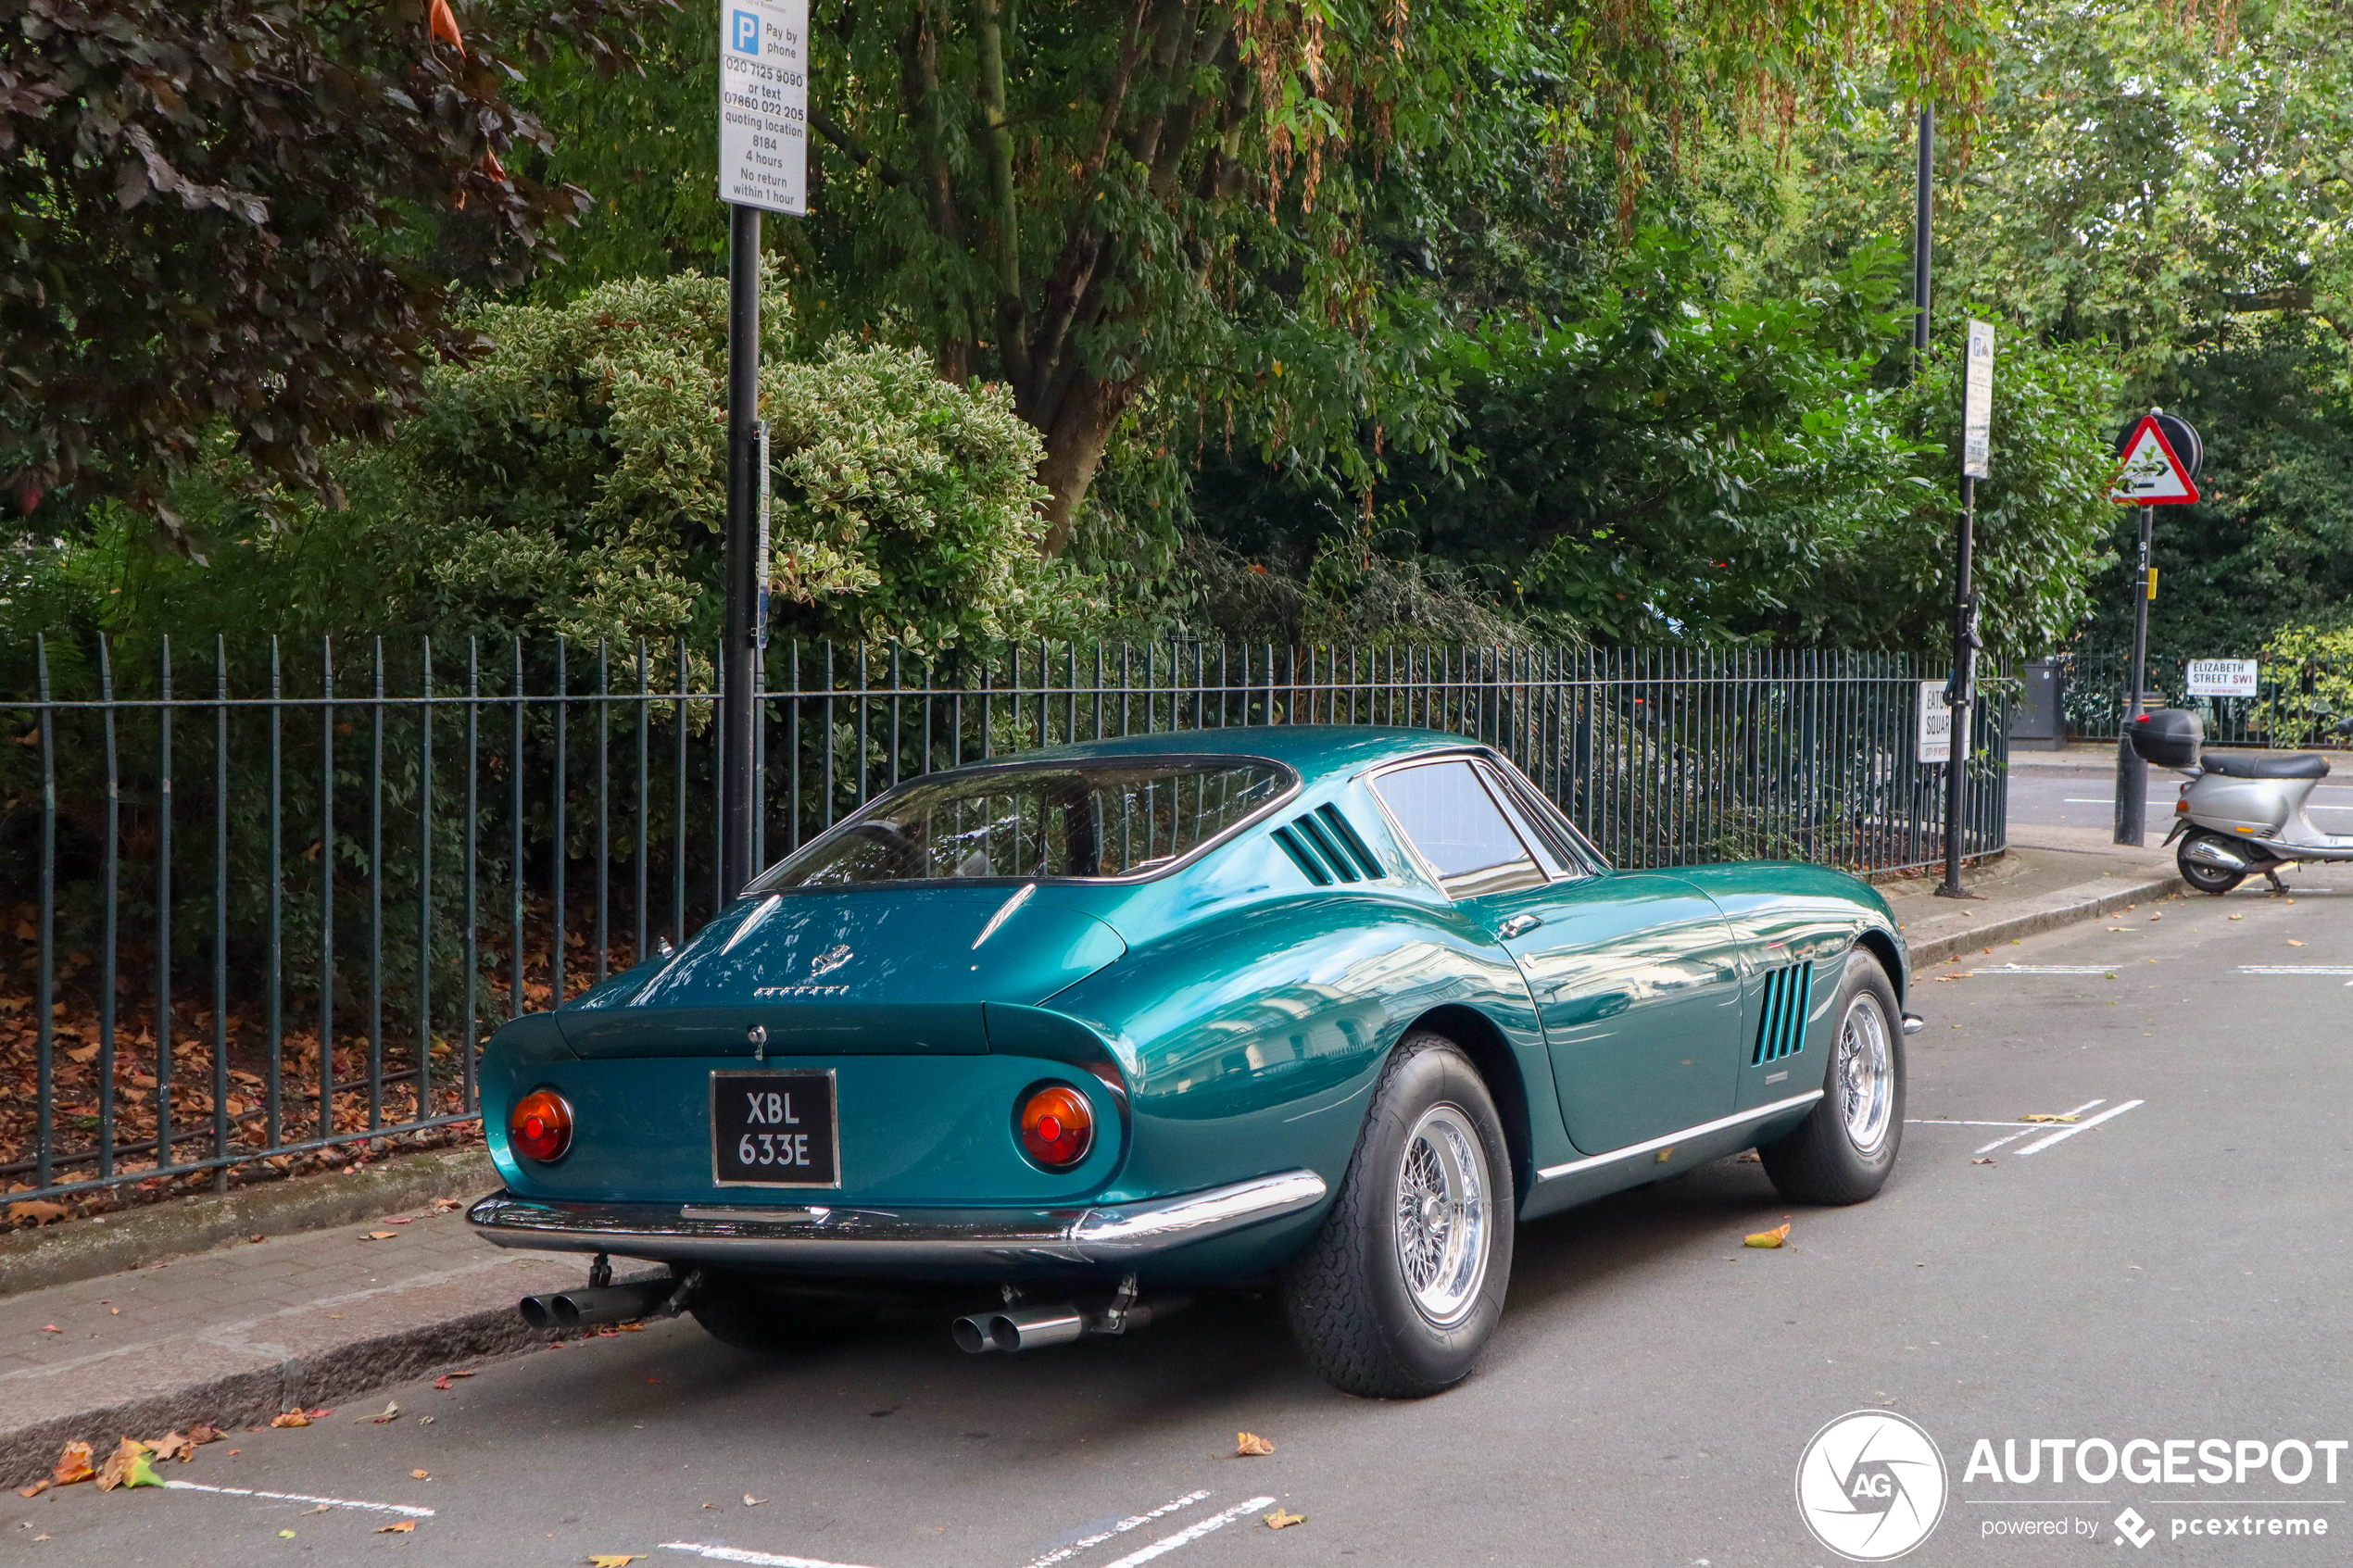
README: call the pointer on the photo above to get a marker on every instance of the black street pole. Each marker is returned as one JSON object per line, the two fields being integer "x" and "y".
{"x": 1924, "y": 205}
{"x": 744, "y": 568}
{"x": 2131, "y": 773}
{"x": 1965, "y": 645}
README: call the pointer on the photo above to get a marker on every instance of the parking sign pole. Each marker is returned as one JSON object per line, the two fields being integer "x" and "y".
{"x": 744, "y": 570}
{"x": 1965, "y": 645}
{"x": 2131, "y": 773}
{"x": 763, "y": 167}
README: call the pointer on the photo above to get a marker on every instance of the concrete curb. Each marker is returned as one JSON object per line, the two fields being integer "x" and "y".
{"x": 2068, "y": 906}
{"x": 112, "y": 1244}
{"x": 251, "y": 1398}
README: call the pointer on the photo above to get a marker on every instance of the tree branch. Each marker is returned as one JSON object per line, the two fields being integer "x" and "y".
{"x": 1014, "y": 340}
{"x": 854, "y": 149}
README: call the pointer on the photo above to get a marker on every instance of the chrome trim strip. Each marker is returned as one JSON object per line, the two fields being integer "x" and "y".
{"x": 895, "y": 1239}
{"x": 1721, "y": 1124}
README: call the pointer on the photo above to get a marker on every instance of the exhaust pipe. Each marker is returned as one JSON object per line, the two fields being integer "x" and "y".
{"x": 1035, "y": 1328}
{"x": 2216, "y": 853}
{"x": 596, "y": 1304}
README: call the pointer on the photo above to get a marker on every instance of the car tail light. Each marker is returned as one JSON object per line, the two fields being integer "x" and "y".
{"x": 1056, "y": 1124}
{"x": 540, "y": 1127}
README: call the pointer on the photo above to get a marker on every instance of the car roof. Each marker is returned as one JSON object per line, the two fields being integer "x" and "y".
{"x": 1316, "y": 750}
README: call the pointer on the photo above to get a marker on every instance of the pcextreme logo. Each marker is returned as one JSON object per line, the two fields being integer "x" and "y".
{"x": 1871, "y": 1485}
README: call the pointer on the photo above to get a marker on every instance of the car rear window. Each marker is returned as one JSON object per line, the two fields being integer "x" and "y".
{"x": 1088, "y": 820}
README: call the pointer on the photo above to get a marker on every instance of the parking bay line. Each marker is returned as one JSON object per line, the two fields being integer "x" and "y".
{"x": 2291, "y": 969}
{"x": 2066, "y": 1133}
{"x": 738, "y": 1554}
{"x": 1130, "y": 1523}
{"x": 2020, "y": 1132}
{"x": 1192, "y": 1532}
{"x": 297, "y": 1497}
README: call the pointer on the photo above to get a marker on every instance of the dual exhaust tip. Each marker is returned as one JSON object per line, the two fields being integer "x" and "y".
{"x": 1035, "y": 1328}
{"x": 596, "y": 1304}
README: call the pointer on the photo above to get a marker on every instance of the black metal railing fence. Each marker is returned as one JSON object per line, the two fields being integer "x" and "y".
{"x": 263, "y": 909}
{"x": 2298, "y": 703}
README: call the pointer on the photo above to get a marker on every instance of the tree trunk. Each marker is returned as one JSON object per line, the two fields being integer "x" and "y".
{"x": 1075, "y": 443}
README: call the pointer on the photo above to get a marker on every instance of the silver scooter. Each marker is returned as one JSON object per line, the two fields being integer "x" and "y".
{"x": 2242, "y": 812}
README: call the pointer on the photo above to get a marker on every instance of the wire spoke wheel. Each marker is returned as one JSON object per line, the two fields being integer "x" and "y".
{"x": 1443, "y": 1220}
{"x": 1866, "y": 1073}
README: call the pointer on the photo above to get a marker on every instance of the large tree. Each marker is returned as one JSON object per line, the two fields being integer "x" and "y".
{"x": 1252, "y": 220}
{"x": 246, "y": 214}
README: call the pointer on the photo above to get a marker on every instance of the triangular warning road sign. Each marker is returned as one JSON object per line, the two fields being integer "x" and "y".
{"x": 2152, "y": 473}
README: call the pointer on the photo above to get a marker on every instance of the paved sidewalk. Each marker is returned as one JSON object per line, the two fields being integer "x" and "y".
{"x": 236, "y": 1335}
{"x": 2033, "y": 887}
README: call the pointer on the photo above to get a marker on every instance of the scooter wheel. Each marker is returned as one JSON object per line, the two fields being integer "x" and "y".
{"x": 2205, "y": 878}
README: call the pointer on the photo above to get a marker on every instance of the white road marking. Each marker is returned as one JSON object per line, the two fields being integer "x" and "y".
{"x": 297, "y": 1497}
{"x": 1999, "y": 1142}
{"x": 2016, "y": 1132}
{"x": 1121, "y": 1528}
{"x": 2066, "y": 1133}
{"x": 2056, "y": 969}
{"x": 736, "y": 1554}
{"x": 2296, "y": 968}
{"x": 1192, "y": 1532}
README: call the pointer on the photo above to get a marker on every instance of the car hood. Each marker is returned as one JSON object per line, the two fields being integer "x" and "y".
{"x": 801, "y": 955}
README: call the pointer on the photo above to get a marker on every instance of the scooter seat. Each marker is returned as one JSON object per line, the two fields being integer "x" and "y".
{"x": 2265, "y": 764}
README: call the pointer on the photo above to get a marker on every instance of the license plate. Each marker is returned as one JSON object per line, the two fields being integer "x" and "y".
{"x": 775, "y": 1129}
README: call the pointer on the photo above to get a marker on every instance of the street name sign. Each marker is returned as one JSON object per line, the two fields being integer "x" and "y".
{"x": 1933, "y": 741}
{"x": 2222, "y": 677}
{"x": 764, "y": 104}
{"x": 1976, "y": 403}
{"x": 2153, "y": 473}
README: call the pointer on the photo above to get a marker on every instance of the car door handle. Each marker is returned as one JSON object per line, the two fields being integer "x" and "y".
{"x": 1519, "y": 925}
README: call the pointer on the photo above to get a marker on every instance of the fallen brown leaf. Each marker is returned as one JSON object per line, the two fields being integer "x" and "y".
{"x": 73, "y": 1464}
{"x": 404, "y": 1527}
{"x": 1279, "y": 1519}
{"x": 1250, "y": 1444}
{"x": 401, "y": 1220}
{"x": 614, "y": 1559}
{"x": 750, "y": 1501}
{"x": 1986, "y": 1160}
{"x": 127, "y": 1466}
{"x": 421, "y": 1476}
{"x": 36, "y": 1488}
{"x": 1774, "y": 1238}
{"x": 51, "y": 1328}
{"x": 444, "y": 1205}
{"x": 2293, "y": 942}
{"x": 172, "y": 1445}
{"x": 2039, "y": 1116}
{"x": 447, "y": 1378}
{"x": 380, "y": 1236}
{"x": 200, "y": 1434}
{"x": 37, "y": 1210}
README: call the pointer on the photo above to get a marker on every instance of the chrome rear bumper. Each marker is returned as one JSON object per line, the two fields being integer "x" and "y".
{"x": 898, "y": 1241}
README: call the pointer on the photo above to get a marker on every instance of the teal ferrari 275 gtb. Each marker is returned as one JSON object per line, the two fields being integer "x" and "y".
{"x": 1055, "y": 1040}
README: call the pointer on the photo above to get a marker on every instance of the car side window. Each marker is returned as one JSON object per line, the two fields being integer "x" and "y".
{"x": 1453, "y": 820}
{"x": 1556, "y": 842}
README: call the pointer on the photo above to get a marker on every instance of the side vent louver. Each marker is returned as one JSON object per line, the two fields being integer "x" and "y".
{"x": 1789, "y": 994}
{"x": 1326, "y": 850}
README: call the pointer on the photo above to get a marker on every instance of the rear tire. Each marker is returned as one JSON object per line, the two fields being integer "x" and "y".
{"x": 738, "y": 1313}
{"x": 1402, "y": 1288}
{"x": 2206, "y": 879}
{"x": 1846, "y": 1148}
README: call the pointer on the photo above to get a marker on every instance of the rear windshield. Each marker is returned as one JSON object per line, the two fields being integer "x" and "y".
{"x": 1086, "y": 820}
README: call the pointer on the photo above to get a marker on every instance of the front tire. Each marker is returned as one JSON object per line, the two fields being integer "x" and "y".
{"x": 1402, "y": 1288}
{"x": 1844, "y": 1150}
{"x": 2216, "y": 880}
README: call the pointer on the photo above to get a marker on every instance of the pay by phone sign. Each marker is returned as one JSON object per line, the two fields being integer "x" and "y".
{"x": 2222, "y": 677}
{"x": 764, "y": 104}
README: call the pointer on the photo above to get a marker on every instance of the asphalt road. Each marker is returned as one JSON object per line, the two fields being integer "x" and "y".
{"x": 2174, "y": 1267}
{"x": 2088, "y": 801}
